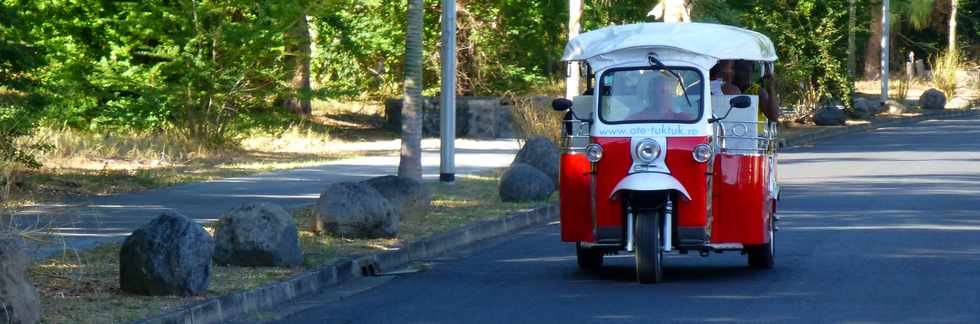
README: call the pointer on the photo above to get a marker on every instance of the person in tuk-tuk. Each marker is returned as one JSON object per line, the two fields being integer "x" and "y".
{"x": 742, "y": 78}
{"x": 721, "y": 79}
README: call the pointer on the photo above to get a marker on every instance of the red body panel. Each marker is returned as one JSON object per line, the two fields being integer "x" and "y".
{"x": 742, "y": 204}
{"x": 691, "y": 174}
{"x": 574, "y": 198}
{"x": 613, "y": 167}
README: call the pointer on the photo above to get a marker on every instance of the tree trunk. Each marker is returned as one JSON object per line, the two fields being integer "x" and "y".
{"x": 297, "y": 62}
{"x": 410, "y": 163}
{"x": 672, "y": 11}
{"x": 872, "y": 52}
{"x": 952, "y": 26}
{"x": 851, "y": 47}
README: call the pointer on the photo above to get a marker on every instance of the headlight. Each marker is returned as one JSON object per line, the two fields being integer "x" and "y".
{"x": 647, "y": 151}
{"x": 702, "y": 153}
{"x": 593, "y": 152}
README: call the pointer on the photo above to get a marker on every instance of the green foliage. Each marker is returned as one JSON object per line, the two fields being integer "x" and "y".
{"x": 811, "y": 45}
{"x": 19, "y": 101}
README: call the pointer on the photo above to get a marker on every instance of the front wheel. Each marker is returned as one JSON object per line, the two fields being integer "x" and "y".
{"x": 763, "y": 256}
{"x": 589, "y": 259}
{"x": 649, "y": 253}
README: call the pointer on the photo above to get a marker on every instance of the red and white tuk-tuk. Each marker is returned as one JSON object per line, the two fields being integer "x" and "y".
{"x": 653, "y": 163}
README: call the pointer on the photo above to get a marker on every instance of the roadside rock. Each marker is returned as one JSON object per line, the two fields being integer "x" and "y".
{"x": 958, "y": 103}
{"x": 19, "y": 301}
{"x": 862, "y": 109}
{"x": 407, "y": 196}
{"x": 257, "y": 235}
{"x": 542, "y": 154}
{"x": 355, "y": 210}
{"x": 170, "y": 255}
{"x": 830, "y": 116}
{"x": 932, "y": 99}
{"x": 893, "y": 107}
{"x": 523, "y": 182}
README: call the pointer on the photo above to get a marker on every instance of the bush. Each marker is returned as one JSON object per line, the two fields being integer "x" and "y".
{"x": 533, "y": 117}
{"x": 944, "y": 68}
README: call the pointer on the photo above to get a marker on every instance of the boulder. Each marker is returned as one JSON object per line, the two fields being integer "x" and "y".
{"x": 19, "y": 301}
{"x": 893, "y": 107}
{"x": 830, "y": 116}
{"x": 958, "y": 103}
{"x": 170, "y": 255}
{"x": 355, "y": 210}
{"x": 523, "y": 182}
{"x": 257, "y": 235}
{"x": 863, "y": 109}
{"x": 407, "y": 196}
{"x": 540, "y": 153}
{"x": 932, "y": 99}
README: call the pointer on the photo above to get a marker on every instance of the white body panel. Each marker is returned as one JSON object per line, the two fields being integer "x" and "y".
{"x": 650, "y": 181}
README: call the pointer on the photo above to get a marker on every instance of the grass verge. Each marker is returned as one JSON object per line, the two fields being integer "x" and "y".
{"x": 83, "y": 287}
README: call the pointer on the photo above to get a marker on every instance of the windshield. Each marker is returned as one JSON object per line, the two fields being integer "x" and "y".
{"x": 650, "y": 94}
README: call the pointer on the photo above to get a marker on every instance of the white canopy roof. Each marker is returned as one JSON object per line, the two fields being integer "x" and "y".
{"x": 721, "y": 42}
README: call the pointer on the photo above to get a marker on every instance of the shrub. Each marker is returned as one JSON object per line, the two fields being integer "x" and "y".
{"x": 944, "y": 68}
{"x": 531, "y": 118}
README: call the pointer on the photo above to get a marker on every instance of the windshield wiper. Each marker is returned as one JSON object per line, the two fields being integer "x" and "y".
{"x": 660, "y": 65}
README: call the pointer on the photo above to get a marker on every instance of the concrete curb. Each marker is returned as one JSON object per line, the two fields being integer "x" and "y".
{"x": 230, "y": 306}
{"x": 830, "y": 132}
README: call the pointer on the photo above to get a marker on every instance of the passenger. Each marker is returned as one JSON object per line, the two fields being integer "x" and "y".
{"x": 768, "y": 105}
{"x": 721, "y": 79}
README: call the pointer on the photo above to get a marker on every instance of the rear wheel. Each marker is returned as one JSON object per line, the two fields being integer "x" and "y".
{"x": 589, "y": 259}
{"x": 763, "y": 256}
{"x": 649, "y": 253}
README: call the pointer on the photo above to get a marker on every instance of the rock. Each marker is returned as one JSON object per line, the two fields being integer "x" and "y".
{"x": 523, "y": 182}
{"x": 958, "y": 103}
{"x": 893, "y": 107}
{"x": 355, "y": 210}
{"x": 170, "y": 255}
{"x": 932, "y": 99}
{"x": 830, "y": 116}
{"x": 483, "y": 118}
{"x": 19, "y": 301}
{"x": 968, "y": 84}
{"x": 540, "y": 153}
{"x": 407, "y": 196}
{"x": 862, "y": 109}
{"x": 257, "y": 235}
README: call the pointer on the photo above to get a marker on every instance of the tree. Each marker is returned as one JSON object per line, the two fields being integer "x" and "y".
{"x": 297, "y": 66}
{"x": 672, "y": 11}
{"x": 410, "y": 162}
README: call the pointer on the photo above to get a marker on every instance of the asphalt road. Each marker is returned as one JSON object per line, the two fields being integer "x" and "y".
{"x": 880, "y": 227}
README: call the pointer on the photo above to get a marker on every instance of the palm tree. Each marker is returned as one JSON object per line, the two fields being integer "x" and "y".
{"x": 672, "y": 11}
{"x": 410, "y": 163}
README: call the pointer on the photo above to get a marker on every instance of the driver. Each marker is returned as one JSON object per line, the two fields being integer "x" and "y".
{"x": 659, "y": 103}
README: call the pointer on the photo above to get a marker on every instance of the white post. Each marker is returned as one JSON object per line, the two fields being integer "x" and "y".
{"x": 447, "y": 116}
{"x": 884, "y": 51}
{"x": 574, "y": 28}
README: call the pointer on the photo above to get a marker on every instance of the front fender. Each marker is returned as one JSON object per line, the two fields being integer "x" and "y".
{"x": 650, "y": 181}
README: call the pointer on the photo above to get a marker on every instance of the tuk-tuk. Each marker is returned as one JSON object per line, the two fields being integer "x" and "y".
{"x": 652, "y": 162}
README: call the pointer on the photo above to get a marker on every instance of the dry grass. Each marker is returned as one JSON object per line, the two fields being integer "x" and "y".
{"x": 532, "y": 118}
{"x": 88, "y": 164}
{"x": 873, "y": 88}
{"x": 84, "y": 287}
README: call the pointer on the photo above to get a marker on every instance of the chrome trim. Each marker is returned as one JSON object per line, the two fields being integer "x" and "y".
{"x": 629, "y": 228}
{"x": 668, "y": 224}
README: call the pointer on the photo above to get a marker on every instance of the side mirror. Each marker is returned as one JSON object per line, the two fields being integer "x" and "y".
{"x": 561, "y": 104}
{"x": 741, "y": 102}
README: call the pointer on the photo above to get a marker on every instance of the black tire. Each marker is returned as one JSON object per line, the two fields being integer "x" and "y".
{"x": 649, "y": 254}
{"x": 589, "y": 259}
{"x": 763, "y": 256}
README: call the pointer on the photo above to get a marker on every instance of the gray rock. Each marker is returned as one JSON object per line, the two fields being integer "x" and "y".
{"x": 523, "y": 182}
{"x": 483, "y": 118}
{"x": 862, "y": 109}
{"x": 19, "y": 301}
{"x": 958, "y": 103}
{"x": 408, "y": 196}
{"x": 830, "y": 116}
{"x": 893, "y": 107}
{"x": 540, "y": 153}
{"x": 932, "y": 99}
{"x": 355, "y": 210}
{"x": 257, "y": 235}
{"x": 170, "y": 255}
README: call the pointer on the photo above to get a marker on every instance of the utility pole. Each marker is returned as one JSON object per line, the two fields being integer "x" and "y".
{"x": 447, "y": 115}
{"x": 884, "y": 51}
{"x": 574, "y": 28}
